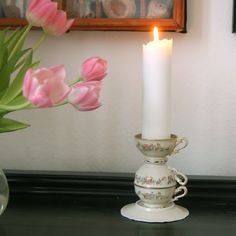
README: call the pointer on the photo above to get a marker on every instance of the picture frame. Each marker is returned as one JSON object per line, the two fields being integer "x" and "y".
{"x": 113, "y": 15}
{"x": 133, "y": 15}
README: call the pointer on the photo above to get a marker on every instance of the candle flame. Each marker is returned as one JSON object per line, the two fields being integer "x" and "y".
{"x": 156, "y": 34}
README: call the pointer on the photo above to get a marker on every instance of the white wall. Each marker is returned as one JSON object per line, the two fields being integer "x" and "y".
{"x": 203, "y": 103}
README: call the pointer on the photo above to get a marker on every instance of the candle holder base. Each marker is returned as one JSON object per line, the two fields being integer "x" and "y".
{"x": 137, "y": 212}
{"x": 157, "y": 185}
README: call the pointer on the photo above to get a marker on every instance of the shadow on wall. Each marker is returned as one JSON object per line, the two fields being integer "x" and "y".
{"x": 198, "y": 18}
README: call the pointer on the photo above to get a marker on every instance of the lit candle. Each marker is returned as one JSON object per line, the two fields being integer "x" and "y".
{"x": 156, "y": 88}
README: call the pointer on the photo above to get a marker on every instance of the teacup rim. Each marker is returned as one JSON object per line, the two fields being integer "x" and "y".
{"x": 172, "y": 137}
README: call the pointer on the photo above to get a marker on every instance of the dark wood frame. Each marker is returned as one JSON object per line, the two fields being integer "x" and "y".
{"x": 234, "y": 16}
{"x": 177, "y": 23}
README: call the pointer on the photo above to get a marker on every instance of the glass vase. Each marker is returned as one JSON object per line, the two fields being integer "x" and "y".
{"x": 4, "y": 192}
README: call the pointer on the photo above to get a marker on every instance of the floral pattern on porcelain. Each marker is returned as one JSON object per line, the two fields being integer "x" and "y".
{"x": 149, "y": 180}
{"x": 153, "y": 196}
{"x": 152, "y": 147}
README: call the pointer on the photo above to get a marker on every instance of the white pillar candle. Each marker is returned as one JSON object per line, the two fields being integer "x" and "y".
{"x": 156, "y": 88}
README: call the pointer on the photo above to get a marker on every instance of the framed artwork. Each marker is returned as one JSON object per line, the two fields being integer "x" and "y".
{"x": 12, "y": 9}
{"x": 134, "y": 15}
{"x": 12, "y": 12}
{"x": 116, "y": 15}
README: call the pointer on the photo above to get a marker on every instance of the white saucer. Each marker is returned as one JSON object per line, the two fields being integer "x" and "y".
{"x": 137, "y": 212}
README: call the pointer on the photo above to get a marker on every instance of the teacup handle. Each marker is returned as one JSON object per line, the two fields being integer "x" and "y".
{"x": 178, "y": 190}
{"x": 180, "y": 177}
{"x": 183, "y": 141}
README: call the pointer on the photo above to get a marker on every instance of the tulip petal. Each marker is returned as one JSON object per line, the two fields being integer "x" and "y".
{"x": 38, "y": 15}
{"x": 27, "y": 83}
{"x": 44, "y": 13}
{"x": 94, "y": 69}
{"x": 35, "y": 3}
{"x": 59, "y": 71}
{"x": 58, "y": 24}
{"x": 77, "y": 94}
{"x": 45, "y": 87}
{"x": 84, "y": 96}
{"x": 89, "y": 108}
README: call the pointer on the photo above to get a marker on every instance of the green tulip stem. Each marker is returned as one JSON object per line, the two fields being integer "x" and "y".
{"x": 75, "y": 82}
{"x": 61, "y": 104}
{"x": 41, "y": 40}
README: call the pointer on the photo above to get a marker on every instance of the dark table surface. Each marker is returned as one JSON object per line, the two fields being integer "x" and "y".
{"x": 98, "y": 215}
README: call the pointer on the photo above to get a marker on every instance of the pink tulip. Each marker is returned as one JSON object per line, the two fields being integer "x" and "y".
{"x": 46, "y": 87}
{"x": 58, "y": 24}
{"x": 84, "y": 96}
{"x": 44, "y": 13}
{"x": 94, "y": 69}
{"x": 39, "y": 11}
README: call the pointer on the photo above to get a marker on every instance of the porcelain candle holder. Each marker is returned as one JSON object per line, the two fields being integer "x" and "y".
{"x": 157, "y": 185}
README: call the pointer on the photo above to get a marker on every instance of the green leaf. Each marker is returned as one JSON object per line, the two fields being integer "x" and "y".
{"x": 3, "y": 56}
{"x": 20, "y": 102}
{"x": 2, "y": 93}
{"x": 20, "y": 41}
{"x": 5, "y": 73}
{"x": 12, "y": 61}
{"x": 2, "y": 37}
{"x": 4, "y": 78}
{"x": 33, "y": 66}
{"x": 3, "y": 49}
{"x": 12, "y": 36}
{"x": 3, "y": 113}
{"x": 9, "y": 108}
{"x": 8, "y": 125}
{"x": 16, "y": 86}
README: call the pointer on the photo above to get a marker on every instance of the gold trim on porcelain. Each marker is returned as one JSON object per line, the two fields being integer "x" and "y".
{"x": 172, "y": 137}
{"x": 149, "y": 187}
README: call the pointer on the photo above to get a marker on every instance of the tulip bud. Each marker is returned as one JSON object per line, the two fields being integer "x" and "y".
{"x": 94, "y": 69}
{"x": 84, "y": 96}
